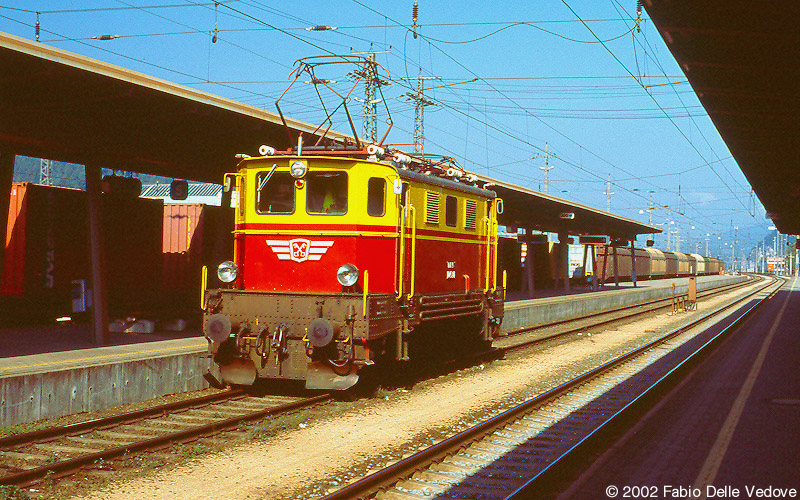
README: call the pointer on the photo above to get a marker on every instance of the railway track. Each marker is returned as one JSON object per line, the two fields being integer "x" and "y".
{"x": 58, "y": 451}
{"x": 548, "y": 332}
{"x": 26, "y": 458}
{"x": 518, "y": 453}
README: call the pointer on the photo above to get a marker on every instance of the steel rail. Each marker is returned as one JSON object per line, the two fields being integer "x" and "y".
{"x": 24, "y": 477}
{"x": 534, "y": 482}
{"x": 499, "y": 351}
{"x": 127, "y": 417}
{"x": 388, "y": 476}
{"x": 66, "y": 430}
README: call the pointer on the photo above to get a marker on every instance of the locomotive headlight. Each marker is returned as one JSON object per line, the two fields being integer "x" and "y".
{"x": 347, "y": 275}
{"x": 227, "y": 271}
{"x": 298, "y": 169}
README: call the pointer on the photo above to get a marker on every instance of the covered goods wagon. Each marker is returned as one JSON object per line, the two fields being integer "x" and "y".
{"x": 605, "y": 263}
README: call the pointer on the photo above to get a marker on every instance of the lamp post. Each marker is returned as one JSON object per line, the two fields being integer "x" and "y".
{"x": 669, "y": 229}
{"x": 775, "y": 245}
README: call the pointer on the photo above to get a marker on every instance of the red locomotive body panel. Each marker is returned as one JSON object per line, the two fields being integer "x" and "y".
{"x": 435, "y": 257}
{"x": 308, "y": 262}
{"x": 285, "y": 263}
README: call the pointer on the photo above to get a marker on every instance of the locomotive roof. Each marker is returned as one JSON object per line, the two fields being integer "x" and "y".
{"x": 444, "y": 182}
{"x": 403, "y": 173}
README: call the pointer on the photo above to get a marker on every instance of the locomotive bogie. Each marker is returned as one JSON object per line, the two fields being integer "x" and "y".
{"x": 290, "y": 336}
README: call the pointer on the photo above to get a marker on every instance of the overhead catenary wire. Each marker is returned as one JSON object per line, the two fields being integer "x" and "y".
{"x": 652, "y": 98}
{"x": 498, "y": 130}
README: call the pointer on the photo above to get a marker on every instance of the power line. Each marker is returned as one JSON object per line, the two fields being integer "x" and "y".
{"x": 653, "y": 98}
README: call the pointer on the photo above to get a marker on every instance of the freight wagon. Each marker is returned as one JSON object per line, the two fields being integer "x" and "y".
{"x": 653, "y": 264}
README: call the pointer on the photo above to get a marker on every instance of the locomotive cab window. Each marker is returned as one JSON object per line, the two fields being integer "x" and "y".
{"x": 451, "y": 211}
{"x": 326, "y": 193}
{"x": 376, "y": 197}
{"x": 275, "y": 194}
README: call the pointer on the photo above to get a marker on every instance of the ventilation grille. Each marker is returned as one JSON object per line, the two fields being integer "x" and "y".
{"x": 431, "y": 207}
{"x": 471, "y": 215}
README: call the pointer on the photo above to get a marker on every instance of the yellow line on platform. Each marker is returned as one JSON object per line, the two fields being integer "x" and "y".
{"x": 76, "y": 360}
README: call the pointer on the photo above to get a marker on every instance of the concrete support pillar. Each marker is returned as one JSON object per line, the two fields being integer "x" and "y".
{"x": 6, "y": 175}
{"x": 529, "y": 272}
{"x": 563, "y": 238}
{"x": 633, "y": 263}
{"x": 594, "y": 269}
{"x": 605, "y": 265}
{"x": 585, "y": 266}
{"x": 99, "y": 292}
{"x": 616, "y": 267}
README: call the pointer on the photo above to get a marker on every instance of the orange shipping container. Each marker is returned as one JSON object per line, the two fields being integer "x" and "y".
{"x": 46, "y": 241}
{"x": 191, "y": 239}
{"x": 182, "y": 244}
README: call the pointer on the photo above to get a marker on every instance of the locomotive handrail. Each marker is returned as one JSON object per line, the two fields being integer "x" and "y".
{"x": 497, "y": 208}
{"x": 494, "y": 254}
{"x": 402, "y": 257}
{"x": 491, "y": 251}
{"x": 241, "y": 179}
{"x": 203, "y": 284}
{"x": 366, "y": 290}
{"x": 413, "y": 213}
{"x": 488, "y": 223}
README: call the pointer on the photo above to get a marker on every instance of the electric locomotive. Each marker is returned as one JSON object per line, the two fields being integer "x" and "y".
{"x": 343, "y": 257}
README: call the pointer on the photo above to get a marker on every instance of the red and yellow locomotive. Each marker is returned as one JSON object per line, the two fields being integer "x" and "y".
{"x": 341, "y": 259}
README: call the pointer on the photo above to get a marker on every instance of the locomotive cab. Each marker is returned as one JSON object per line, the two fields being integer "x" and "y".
{"x": 337, "y": 260}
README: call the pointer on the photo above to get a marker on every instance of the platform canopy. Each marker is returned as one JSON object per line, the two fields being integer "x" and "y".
{"x": 64, "y": 106}
{"x": 526, "y": 208}
{"x": 741, "y": 58}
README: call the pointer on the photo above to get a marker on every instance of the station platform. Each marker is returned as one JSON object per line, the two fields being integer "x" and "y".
{"x": 526, "y": 314}
{"x": 51, "y": 371}
{"x": 546, "y": 293}
{"x": 727, "y": 431}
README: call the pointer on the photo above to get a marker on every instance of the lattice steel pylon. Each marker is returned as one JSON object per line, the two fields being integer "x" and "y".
{"x": 547, "y": 168}
{"x": 370, "y": 130}
{"x": 420, "y": 101}
{"x": 372, "y": 83}
{"x": 45, "y": 172}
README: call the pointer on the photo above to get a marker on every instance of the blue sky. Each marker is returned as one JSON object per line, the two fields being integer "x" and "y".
{"x": 542, "y": 77}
